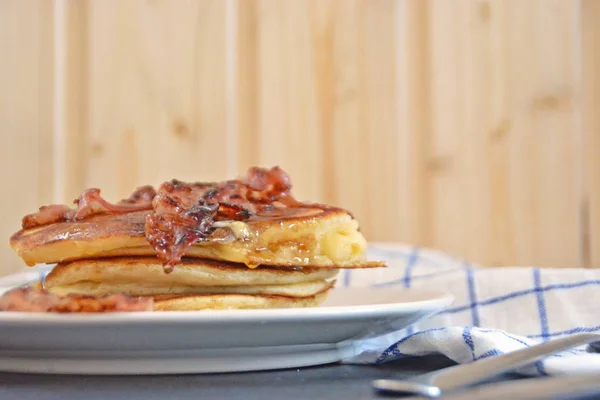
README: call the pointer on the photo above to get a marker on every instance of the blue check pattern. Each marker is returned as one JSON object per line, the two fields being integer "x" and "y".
{"x": 496, "y": 310}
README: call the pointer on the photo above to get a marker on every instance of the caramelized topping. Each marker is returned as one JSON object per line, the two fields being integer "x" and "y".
{"x": 46, "y": 215}
{"x": 89, "y": 203}
{"x": 34, "y": 300}
{"x": 268, "y": 185}
{"x": 182, "y": 213}
{"x": 142, "y": 195}
{"x": 180, "y": 219}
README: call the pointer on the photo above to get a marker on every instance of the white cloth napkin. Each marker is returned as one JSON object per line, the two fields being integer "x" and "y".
{"x": 496, "y": 310}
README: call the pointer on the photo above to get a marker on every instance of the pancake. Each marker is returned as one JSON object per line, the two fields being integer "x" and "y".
{"x": 316, "y": 236}
{"x": 296, "y": 290}
{"x": 242, "y": 243}
{"x": 190, "y": 272}
{"x": 233, "y": 301}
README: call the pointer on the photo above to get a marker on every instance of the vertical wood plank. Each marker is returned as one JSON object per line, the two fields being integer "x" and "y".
{"x": 503, "y": 169}
{"x": 318, "y": 86}
{"x": 381, "y": 136}
{"x": 246, "y": 70}
{"x": 26, "y": 73}
{"x": 72, "y": 144}
{"x": 544, "y": 166}
{"x": 467, "y": 164}
{"x": 154, "y": 93}
{"x": 590, "y": 51}
{"x": 449, "y": 226}
{"x": 286, "y": 94}
{"x": 414, "y": 222}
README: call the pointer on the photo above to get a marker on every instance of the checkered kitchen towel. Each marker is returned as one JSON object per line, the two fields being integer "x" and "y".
{"x": 496, "y": 310}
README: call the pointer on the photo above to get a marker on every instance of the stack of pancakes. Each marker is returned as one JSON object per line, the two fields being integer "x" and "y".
{"x": 278, "y": 258}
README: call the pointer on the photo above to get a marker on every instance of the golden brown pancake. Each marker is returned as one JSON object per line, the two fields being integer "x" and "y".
{"x": 145, "y": 276}
{"x": 296, "y": 290}
{"x": 317, "y": 237}
{"x": 148, "y": 271}
{"x": 233, "y": 301}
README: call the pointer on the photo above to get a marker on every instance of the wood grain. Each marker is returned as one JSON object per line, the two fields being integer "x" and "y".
{"x": 590, "y": 51}
{"x": 26, "y": 75}
{"x": 505, "y": 130}
{"x": 283, "y": 95}
{"x": 72, "y": 140}
{"x": 415, "y": 222}
{"x": 446, "y": 124}
{"x": 154, "y": 90}
{"x": 317, "y": 99}
{"x": 454, "y": 125}
{"x": 545, "y": 109}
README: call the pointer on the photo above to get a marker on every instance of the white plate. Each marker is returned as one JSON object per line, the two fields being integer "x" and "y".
{"x": 208, "y": 341}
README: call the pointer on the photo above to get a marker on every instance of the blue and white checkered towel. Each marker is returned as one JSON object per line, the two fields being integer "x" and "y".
{"x": 496, "y": 310}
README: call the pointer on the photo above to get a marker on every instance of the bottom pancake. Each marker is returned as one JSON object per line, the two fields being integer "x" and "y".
{"x": 198, "y": 302}
{"x": 86, "y": 302}
{"x": 303, "y": 289}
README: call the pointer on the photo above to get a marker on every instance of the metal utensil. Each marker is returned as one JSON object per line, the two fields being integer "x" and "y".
{"x": 435, "y": 383}
{"x": 564, "y": 387}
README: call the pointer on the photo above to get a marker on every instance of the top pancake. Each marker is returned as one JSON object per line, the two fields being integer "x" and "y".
{"x": 316, "y": 236}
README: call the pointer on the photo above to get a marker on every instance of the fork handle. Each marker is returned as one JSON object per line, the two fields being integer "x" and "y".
{"x": 479, "y": 371}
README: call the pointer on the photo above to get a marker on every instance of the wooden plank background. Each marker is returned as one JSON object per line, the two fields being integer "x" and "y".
{"x": 26, "y": 115}
{"x": 590, "y": 50}
{"x": 152, "y": 93}
{"x": 504, "y": 131}
{"x": 468, "y": 126}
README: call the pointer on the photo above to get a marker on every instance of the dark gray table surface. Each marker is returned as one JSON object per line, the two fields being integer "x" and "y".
{"x": 322, "y": 383}
{"x": 318, "y": 383}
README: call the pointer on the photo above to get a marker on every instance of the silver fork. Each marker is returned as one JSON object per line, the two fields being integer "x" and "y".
{"x": 450, "y": 379}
